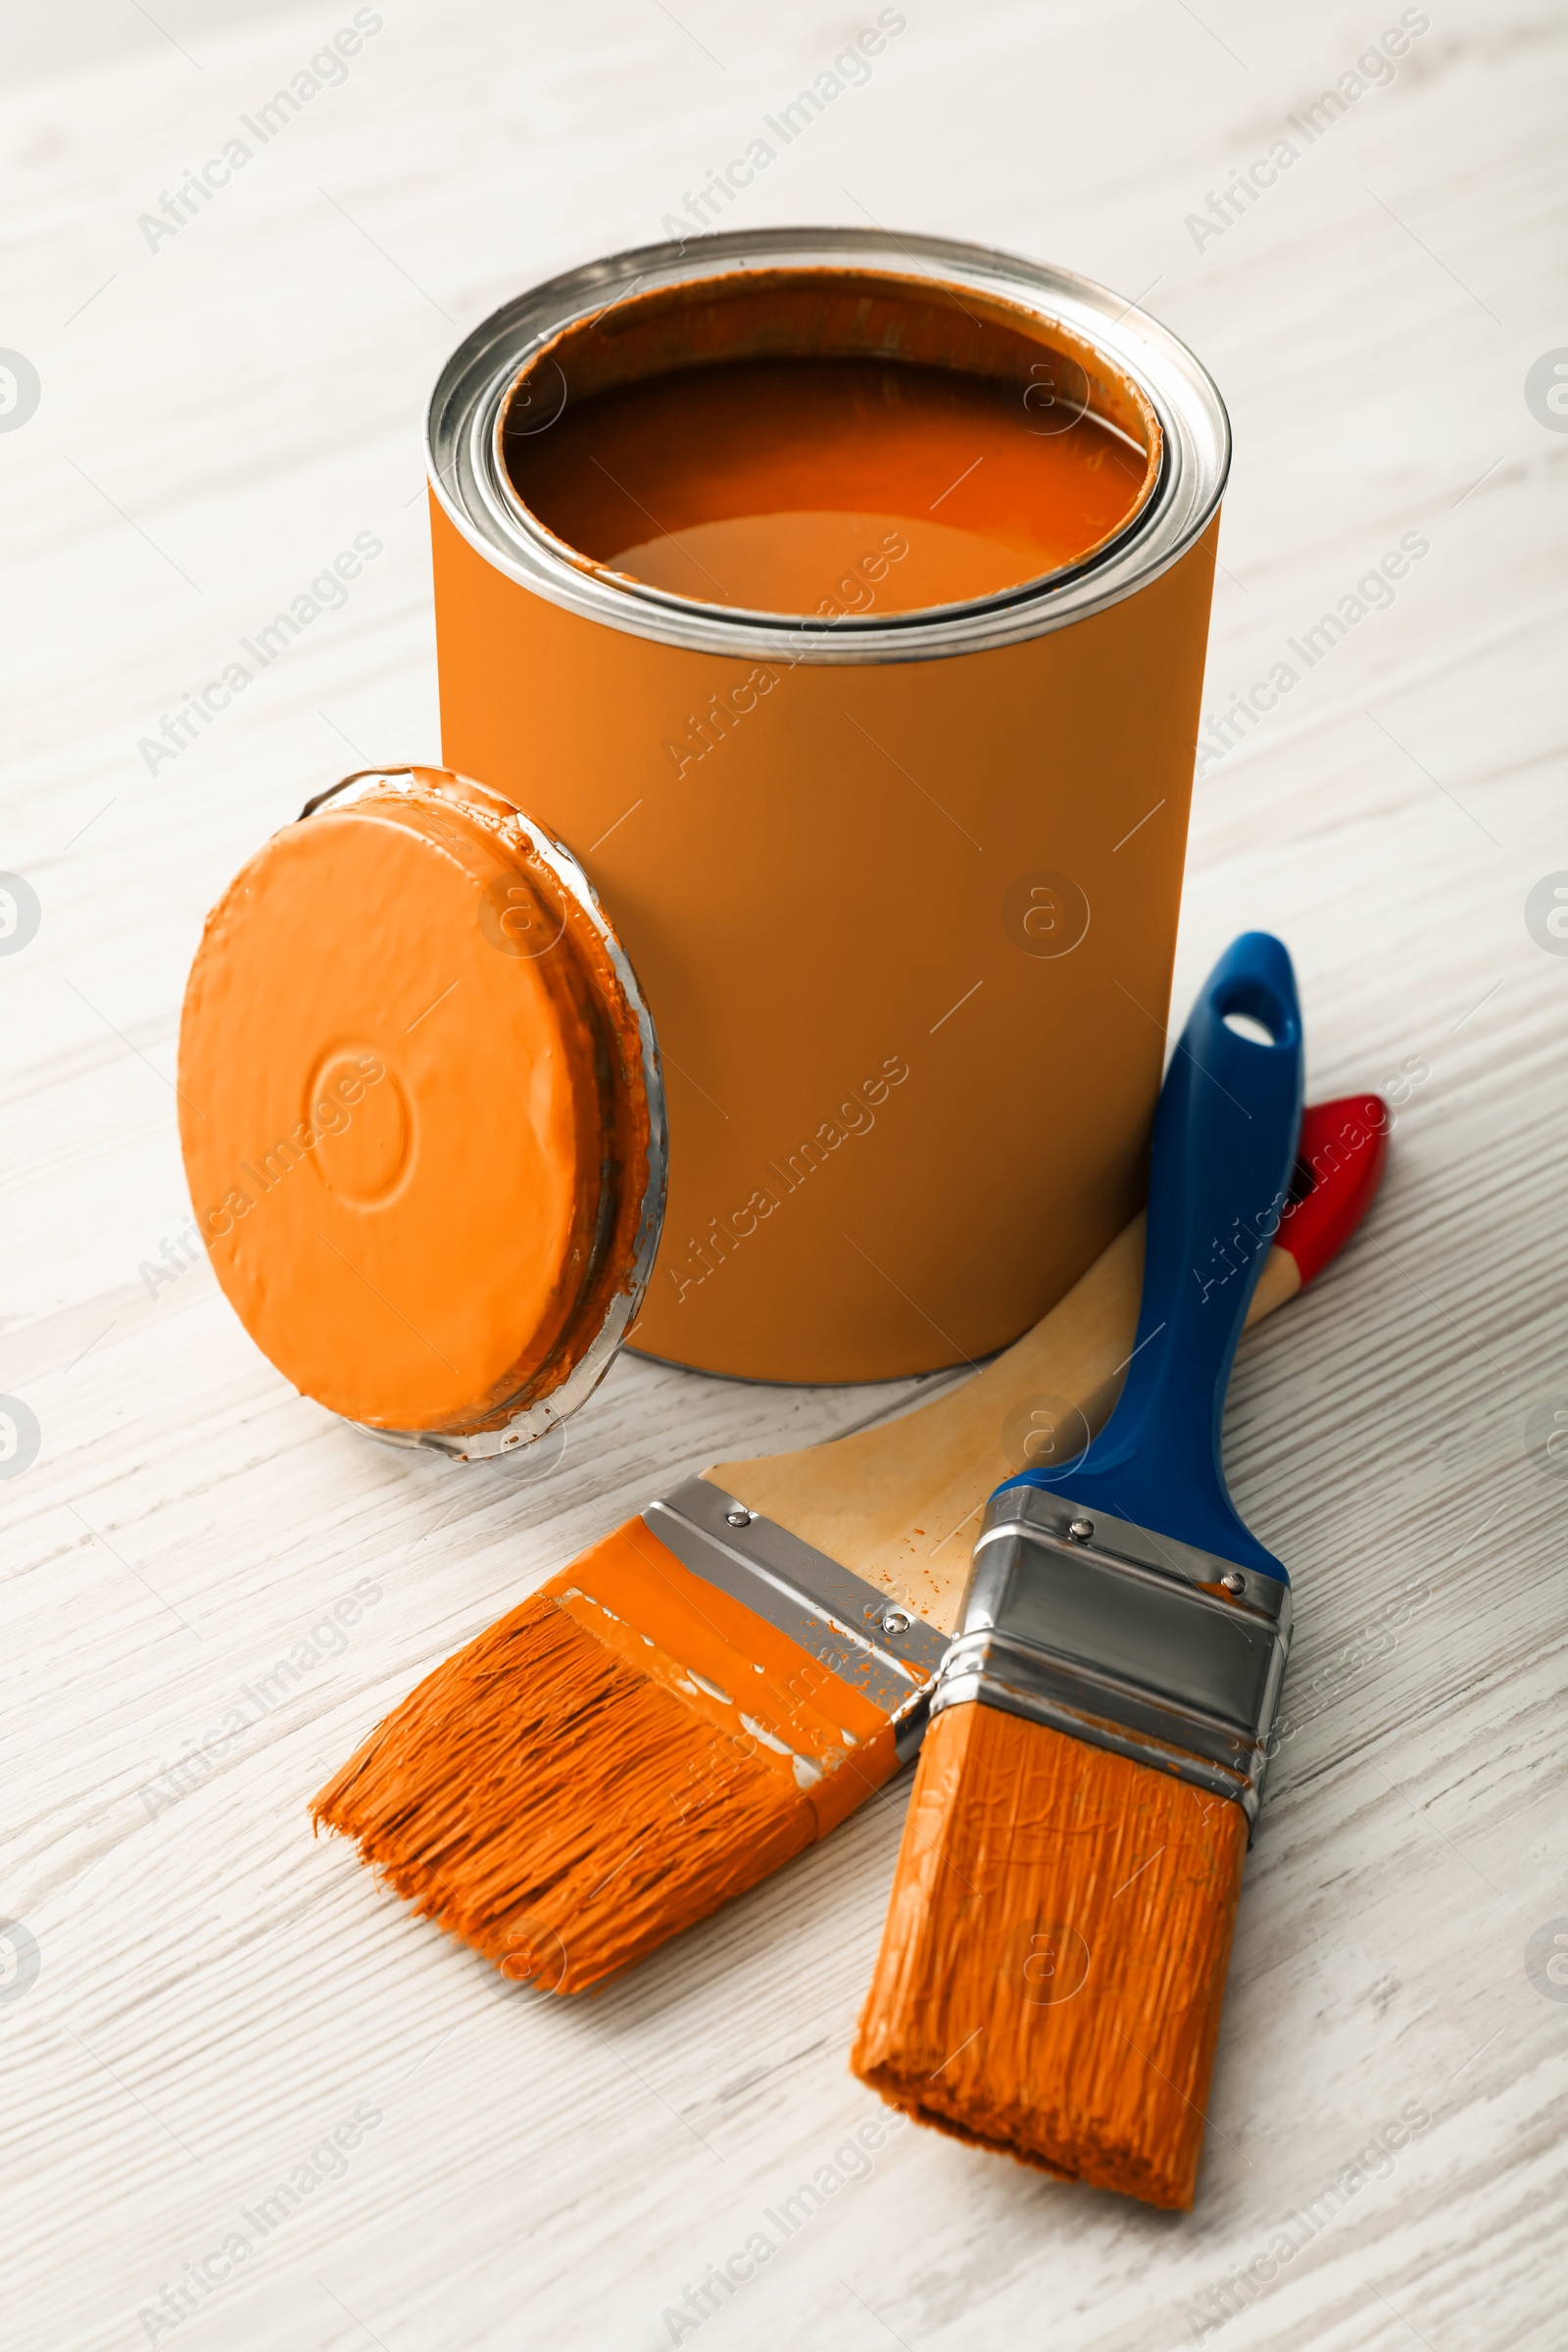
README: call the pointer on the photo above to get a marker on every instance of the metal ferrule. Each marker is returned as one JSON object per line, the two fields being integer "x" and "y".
{"x": 1124, "y": 1638}
{"x": 868, "y": 1641}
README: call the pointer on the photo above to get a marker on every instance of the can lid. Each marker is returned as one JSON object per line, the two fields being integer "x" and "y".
{"x": 421, "y": 1113}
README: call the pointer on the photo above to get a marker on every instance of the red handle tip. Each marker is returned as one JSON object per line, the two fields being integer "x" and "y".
{"x": 1341, "y": 1155}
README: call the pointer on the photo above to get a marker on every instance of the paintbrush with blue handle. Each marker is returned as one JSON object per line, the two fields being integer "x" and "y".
{"x": 1051, "y": 1971}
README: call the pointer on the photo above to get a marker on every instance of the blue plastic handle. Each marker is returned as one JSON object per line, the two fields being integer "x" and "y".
{"x": 1224, "y": 1147}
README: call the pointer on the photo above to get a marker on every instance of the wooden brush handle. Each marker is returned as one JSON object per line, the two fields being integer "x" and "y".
{"x": 900, "y": 1505}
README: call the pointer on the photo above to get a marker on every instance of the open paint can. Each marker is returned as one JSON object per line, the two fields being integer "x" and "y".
{"x": 821, "y": 618}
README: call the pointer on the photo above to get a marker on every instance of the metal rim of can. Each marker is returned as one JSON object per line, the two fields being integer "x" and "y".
{"x": 548, "y": 1412}
{"x": 466, "y": 475}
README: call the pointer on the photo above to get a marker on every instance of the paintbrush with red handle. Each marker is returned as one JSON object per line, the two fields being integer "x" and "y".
{"x": 725, "y": 1678}
{"x": 1053, "y": 1962}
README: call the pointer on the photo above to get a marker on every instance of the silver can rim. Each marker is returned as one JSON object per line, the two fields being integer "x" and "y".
{"x": 463, "y": 464}
{"x": 546, "y": 1413}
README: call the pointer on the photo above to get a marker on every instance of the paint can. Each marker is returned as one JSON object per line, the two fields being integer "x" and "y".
{"x": 901, "y": 888}
{"x": 779, "y": 991}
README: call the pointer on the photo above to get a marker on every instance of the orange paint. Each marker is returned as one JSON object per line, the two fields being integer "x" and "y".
{"x": 741, "y": 1674}
{"x": 565, "y": 1859}
{"x": 768, "y": 483}
{"x": 1053, "y": 1960}
{"x": 412, "y": 1109}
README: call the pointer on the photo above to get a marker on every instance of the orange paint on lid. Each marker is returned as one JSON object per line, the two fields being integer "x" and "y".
{"x": 415, "y": 1110}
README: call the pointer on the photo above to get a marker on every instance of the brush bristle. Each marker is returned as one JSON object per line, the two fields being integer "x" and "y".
{"x": 606, "y": 1766}
{"x": 1053, "y": 1961}
{"x": 521, "y": 1798}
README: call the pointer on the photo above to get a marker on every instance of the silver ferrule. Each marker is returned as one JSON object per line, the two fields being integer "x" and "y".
{"x": 862, "y": 1636}
{"x": 1125, "y": 1639}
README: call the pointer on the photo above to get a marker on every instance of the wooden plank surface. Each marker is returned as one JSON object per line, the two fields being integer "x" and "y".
{"x": 222, "y": 410}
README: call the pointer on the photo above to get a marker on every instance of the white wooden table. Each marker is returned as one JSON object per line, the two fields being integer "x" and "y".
{"x": 199, "y": 1997}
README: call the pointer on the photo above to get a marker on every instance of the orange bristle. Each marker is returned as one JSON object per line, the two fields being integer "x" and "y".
{"x": 582, "y": 1782}
{"x": 1053, "y": 1961}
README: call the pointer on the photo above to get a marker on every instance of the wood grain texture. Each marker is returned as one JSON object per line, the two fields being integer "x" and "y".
{"x": 215, "y": 1993}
